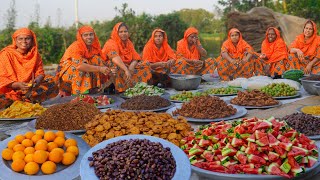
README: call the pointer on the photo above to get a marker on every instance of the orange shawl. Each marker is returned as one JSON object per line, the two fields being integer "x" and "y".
{"x": 236, "y": 51}
{"x": 125, "y": 50}
{"x": 182, "y": 46}
{"x": 79, "y": 50}
{"x": 309, "y": 48}
{"x": 16, "y": 67}
{"x": 275, "y": 51}
{"x": 152, "y": 54}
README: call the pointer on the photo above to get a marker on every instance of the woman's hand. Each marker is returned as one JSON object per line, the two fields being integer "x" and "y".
{"x": 263, "y": 56}
{"x": 21, "y": 86}
{"x": 308, "y": 68}
{"x": 300, "y": 54}
{"x": 104, "y": 70}
{"x": 128, "y": 75}
{"x": 132, "y": 66}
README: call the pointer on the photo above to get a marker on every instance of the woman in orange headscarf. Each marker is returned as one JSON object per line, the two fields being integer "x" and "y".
{"x": 190, "y": 52}
{"x": 274, "y": 52}
{"x": 120, "y": 50}
{"x": 237, "y": 58}
{"x": 305, "y": 50}
{"x": 159, "y": 54}
{"x": 20, "y": 63}
{"x": 81, "y": 69}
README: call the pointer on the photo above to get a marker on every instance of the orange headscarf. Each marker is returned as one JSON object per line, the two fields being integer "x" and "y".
{"x": 310, "y": 46}
{"x": 182, "y": 45}
{"x": 16, "y": 67}
{"x": 78, "y": 49}
{"x": 235, "y": 51}
{"x": 276, "y": 50}
{"x": 124, "y": 49}
{"x": 153, "y": 54}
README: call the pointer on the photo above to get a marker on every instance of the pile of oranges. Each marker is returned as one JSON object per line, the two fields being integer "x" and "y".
{"x": 40, "y": 150}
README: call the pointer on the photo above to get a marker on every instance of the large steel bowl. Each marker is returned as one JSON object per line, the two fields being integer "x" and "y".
{"x": 317, "y": 86}
{"x": 308, "y": 85}
{"x": 185, "y": 82}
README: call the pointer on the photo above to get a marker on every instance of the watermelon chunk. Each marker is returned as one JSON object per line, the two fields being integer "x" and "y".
{"x": 256, "y": 159}
{"x": 236, "y": 142}
{"x": 259, "y": 134}
{"x": 275, "y": 170}
{"x": 263, "y": 141}
{"x": 264, "y": 125}
{"x": 273, "y": 156}
{"x": 285, "y": 146}
{"x": 285, "y": 167}
{"x": 312, "y": 160}
{"x": 273, "y": 141}
{"x": 295, "y": 151}
{"x": 252, "y": 138}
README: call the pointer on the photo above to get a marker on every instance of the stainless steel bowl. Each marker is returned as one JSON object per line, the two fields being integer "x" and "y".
{"x": 210, "y": 78}
{"x": 185, "y": 82}
{"x": 308, "y": 85}
{"x": 317, "y": 86}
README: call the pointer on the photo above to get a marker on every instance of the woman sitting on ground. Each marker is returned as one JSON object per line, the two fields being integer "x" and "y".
{"x": 120, "y": 50}
{"x": 305, "y": 50}
{"x": 82, "y": 69}
{"x": 190, "y": 54}
{"x": 274, "y": 52}
{"x": 238, "y": 58}
{"x": 161, "y": 57}
{"x": 20, "y": 63}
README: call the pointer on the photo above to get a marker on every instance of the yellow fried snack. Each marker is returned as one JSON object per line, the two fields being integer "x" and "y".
{"x": 20, "y": 109}
{"x": 313, "y": 110}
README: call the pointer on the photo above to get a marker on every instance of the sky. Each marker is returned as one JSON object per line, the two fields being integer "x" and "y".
{"x": 62, "y": 13}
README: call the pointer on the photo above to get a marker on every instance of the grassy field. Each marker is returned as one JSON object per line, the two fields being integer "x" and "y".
{"x": 212, "y": 43}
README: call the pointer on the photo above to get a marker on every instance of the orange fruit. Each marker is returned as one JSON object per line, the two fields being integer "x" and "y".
{"x": 40, "y": 156}
{"x": 7, "y": 154}
{"x": 41, "y": 146}
{"x": 28, "y": 158}
{"x": 29, "y": 150}
{"x": 59, "y": 141}
{"x": 40, "y": 132}
{"x": 31, "y": 168}
{"x": 12, "y": 143}
{"x": 27, "y": 143}
{"x": 48, "y": 167}
{"x": 73, "y": 149}
{"x": 59, "y": 150}
{"x": 55, "y": 156}
{"x": 52, "y": 145}
{"x": 44, "y": 141}
{"x": 18, "y": 147}
{"x": 68, "y": 158}
{"x": 70, "y": 142}
{"x": 35, "y": 138}
{"x": 19, "y": 138}
{"x": 60, "y": 134}
{"x": 18, "y": 155}
{"x": 29, "y": 134}
{"x": 18, "y": 165}
{"x": 49, "y": 136}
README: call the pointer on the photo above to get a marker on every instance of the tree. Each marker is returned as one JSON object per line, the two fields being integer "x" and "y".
{"x": 11, "y": 15}
{"x": 309, "y": 9}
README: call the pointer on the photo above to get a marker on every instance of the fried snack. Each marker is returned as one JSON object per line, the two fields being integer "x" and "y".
{"x": 115, "y": 123}
{"x": 253, "y": 98}
{"x": 205, "y": 107}
{"x": 20, "y": 109}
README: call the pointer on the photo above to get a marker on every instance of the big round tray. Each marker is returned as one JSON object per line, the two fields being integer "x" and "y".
{"x": 240, "y": 112}
{"x": 183, "y": 169}
{"x": 63, "y": 172}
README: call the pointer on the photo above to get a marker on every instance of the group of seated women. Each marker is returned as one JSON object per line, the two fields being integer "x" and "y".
{"x": 86, "y": 68}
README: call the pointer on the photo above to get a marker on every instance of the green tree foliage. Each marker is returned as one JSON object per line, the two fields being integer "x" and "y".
{"x": 309, "y": 9}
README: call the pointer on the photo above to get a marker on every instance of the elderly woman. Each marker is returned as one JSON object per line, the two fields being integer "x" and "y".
{"x": 22, "y": 76}
{"x": 305, "y": 51}
{"x": 81, "y": 69}
{"x": 190, "y": 52}
{"x": 120, "y": 50}
{"x": 274, "y": 52}
{"x": 237, "y": 58}
{"x": 161, "y": 57}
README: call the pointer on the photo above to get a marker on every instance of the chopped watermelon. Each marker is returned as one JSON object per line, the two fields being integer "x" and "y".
{"x": 263, "y": 141}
